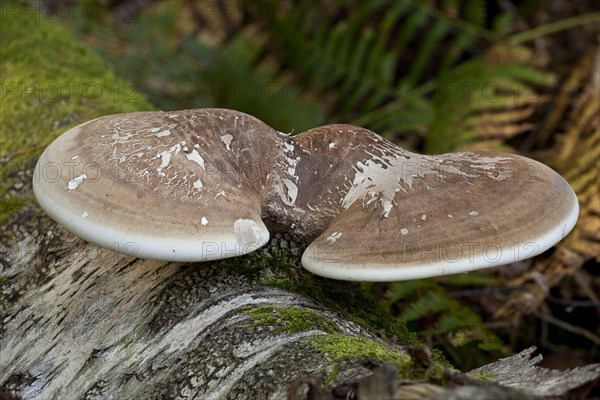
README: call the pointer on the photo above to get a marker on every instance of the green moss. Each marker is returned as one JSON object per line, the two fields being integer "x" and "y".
{"x": 258, "y": 267}
{"x": 250, "y": 266}
{"x": 291, "y": 320}
{"x": 482, "y": 377}
{"x": 283, "y": 270}
{"x": 436, "y": 373}
{"x": 50, "y": 82}
{"x": 340, "y": 349}
{"x": 8, "y": 204}
{"x": 353, "y": 300}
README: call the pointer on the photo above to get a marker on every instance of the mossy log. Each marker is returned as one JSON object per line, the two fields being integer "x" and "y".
{"x": 83, "y": 322}
{"x": 97, "y": 324}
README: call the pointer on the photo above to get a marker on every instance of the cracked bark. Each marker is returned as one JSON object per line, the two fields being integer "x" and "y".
{"x": 81, "y": 322}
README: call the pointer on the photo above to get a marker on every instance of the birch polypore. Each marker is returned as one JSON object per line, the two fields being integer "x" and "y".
{"x": 199, "y": 185}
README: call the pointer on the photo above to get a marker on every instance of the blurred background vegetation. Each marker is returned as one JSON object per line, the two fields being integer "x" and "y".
{"x": 431, "y": 75}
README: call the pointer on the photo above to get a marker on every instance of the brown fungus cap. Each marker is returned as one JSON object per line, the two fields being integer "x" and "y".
{"x": 181, "y": 186}
{"x": 195, "y": 185}
{"x": 410, "y": 216}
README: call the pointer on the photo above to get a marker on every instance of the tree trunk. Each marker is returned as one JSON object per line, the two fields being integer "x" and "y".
{"x": 97, "y": 324}
{"x": 84, "y": 322}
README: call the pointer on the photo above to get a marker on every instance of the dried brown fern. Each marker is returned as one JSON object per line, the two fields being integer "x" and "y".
{"x": 576, "y": 116}
{"x": 506, "y": 109}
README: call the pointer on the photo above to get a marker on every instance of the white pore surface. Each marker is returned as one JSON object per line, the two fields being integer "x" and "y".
{"x": 208, "y": 244}
{"x": 374, "y": 272}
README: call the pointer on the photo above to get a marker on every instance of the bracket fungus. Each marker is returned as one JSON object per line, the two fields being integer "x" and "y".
{"x": 199, "y": 185}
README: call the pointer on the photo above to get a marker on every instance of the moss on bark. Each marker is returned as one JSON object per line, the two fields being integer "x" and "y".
{"x": 50, "y": 83}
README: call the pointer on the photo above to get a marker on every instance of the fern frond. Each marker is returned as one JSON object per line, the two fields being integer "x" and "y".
{"x": 363, "y": 60}
{"x": 449, "y": 320}
{"x": 496, "y": 100}
{"x": 429, "y": 303}
{"x": 406, "y": 290}
{"x": 579, "y": 162}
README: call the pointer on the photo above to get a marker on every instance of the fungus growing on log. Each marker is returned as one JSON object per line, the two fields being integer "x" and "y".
{"x": 198, "y": 185}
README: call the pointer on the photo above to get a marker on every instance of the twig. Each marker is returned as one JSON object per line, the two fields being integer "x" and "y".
{"x": 568, "y": 327}
{"x": 20, "y": 152}
{"x": 573, "y": 303}
{"x": 503, "y": 291}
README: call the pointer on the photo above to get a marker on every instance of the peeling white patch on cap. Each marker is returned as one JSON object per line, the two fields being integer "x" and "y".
{"x": 247, "y": 232}
{"x": 387, "y": 207}
{"x": 404, "y": 231}
{"x": 473, "y": 213}
{"x": 288, "y": 146}
{"x": 331, "y": 145}
{"x": 204, "y": 221}
{"x": 198, "y": 184}
{"x": 424, "y": 217}
{"x": 76, "y": 182}
{"x": 165, "y": 156}
{"x": 292, "y": 192}
{"x": 163, "y": 133}
{"x": 334, "y": 236}
{"x": 195, "y": 157}
{"x": 84, "y": 214}
{"x": 227, "y": 140}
